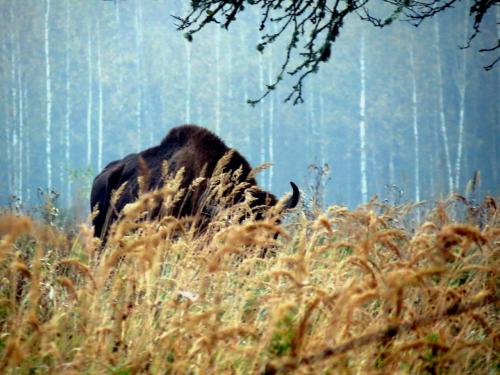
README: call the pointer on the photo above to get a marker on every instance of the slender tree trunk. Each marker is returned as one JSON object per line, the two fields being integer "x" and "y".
{"x": 48, "y": 128}
{"x": 416, "y": 141}
{"x": 188, "y": 79}
{"x": 431, "y": 162}
{"x": 217, "y": 81}
{"x": 188, "y": 82}
{"x": 313, "y": 123}
{"x": 246, "y": 131}
{"x": 362, "y": 123}
{"x": 323, "y": 138}
{"x": 26, "y": 147}
{"x": 119, "y": 69}
{"x": 67, "y": 117}
{"x": 392, "y": 169}
{"x": 462, "y": 87}
{"x": 138, "y": 46}
{"x": 262, "y": 143}
{"x": 442, "y": 115}
{"x": 189, "y": 55}
{"x": 322, "y": 131}
{"x": 100, "y": 122}
{"x": 12, "y": 125}
{"x": 228, "y": 72}
{"x": 20, "y": 151}
{"x": 270, "y": 129}
{"x": 90, "y": 93}
{"x": 4, "y": 138}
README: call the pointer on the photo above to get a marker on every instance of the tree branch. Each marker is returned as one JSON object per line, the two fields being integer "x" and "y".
{"x": 389, "y": 332}
{"x": 314, "y": 26}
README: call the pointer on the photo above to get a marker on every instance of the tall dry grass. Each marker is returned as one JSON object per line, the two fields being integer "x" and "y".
{"x": 345, "y": 292}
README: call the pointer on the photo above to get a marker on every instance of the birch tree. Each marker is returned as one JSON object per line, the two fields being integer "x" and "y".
{"x": 4, "y": 139}
{"x": 138, "y": 48}
{"x": 67, "y": 115}
{"x": 48, "y": 83}
{"x": 228, "y": 83}
{"x": 462, "y": 91}
{"x": 414, "y": 104}
{"x": 362, "y": 121}
{"x": 100, "y": 118}
{"x": 27, "y": 146}
{"x": 89, "y": 91}
{"x": 441, "y": 109}
{"x": 270, "y": 128}
{"x": 217, "y": 81}
{"x": 188, "y": 81}
{"x": 20, "y": 106}
{"x": 12, "y": 124}
{"x": 246, "y": 131}
{"x": 189, "y": 53}
{"x": 262, "y": 125}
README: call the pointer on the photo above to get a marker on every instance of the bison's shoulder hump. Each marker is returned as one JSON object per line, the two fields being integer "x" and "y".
{"x": 182, "y": 135}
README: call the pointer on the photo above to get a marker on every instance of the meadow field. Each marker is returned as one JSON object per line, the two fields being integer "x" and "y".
{"x": 330, "y": 292}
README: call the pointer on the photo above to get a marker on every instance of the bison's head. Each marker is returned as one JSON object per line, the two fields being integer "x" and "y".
{"x": 262, "y": 201}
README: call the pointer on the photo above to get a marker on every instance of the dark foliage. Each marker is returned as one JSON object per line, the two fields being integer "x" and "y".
{"x": 313, "y": 26}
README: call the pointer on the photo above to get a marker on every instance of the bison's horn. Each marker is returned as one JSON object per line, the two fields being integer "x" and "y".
{"x": 294, "y": 199}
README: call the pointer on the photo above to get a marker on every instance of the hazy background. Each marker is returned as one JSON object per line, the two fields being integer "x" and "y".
{"x": 86, "y": 82}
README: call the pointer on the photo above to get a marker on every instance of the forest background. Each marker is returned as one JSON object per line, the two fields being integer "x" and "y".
{"x": 401, "y": 112}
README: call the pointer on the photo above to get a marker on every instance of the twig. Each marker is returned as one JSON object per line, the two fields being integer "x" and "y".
{"x": 389, "y": 332}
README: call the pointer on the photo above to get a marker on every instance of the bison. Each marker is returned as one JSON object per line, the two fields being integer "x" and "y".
{"x": 197, "y": 151}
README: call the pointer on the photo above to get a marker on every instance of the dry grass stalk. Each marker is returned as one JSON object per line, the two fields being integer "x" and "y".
{"x": 347, "y": 291}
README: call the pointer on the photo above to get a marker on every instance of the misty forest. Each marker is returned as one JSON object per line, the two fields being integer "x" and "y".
{"x": 400, "y": 112}
{"x": 349, "y": 222}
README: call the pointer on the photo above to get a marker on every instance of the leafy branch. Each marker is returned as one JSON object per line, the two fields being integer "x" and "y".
{"x": 312, "y": 27}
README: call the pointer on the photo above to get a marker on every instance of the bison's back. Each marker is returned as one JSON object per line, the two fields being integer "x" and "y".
{"x": 190, "y": 147}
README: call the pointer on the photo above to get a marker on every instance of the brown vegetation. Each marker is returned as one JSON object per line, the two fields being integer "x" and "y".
{"x": 345, "y": 292}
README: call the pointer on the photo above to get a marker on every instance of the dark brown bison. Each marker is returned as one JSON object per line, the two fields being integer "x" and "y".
{"x": 192, "y": 148}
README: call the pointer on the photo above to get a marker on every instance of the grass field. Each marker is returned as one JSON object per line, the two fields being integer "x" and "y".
{"x": 340, "y": 291}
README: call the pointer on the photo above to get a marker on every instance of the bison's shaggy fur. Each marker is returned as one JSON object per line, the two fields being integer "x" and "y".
{"x": 189, "y": 147}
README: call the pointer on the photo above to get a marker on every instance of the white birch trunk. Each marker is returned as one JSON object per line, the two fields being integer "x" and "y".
{"x": 323, "y": 138}
{"x": 6, "y": 129}
{"x": 246, "y": 107}
{"x": 90, "y": 94}
{"x": 20, "y": 151}
{"x": 26, "y": 147}
{"x": 392, "y": 170}
{"x": 12, "y": 143}
{"x": 138, "y": 44}
{"x": 362, "y": 123}
{"x": 228, "y": 74}
{"x": 414, "y": 103}
{"x": 313, "y": 123}
{"x": 431, "y": 161}
{"x": 67, "y": 115}
{"x": 442, "y": 115}
{"x": 462, "y": 87}
{"x": 100, "y": 121}
{"x": 188, "y": 79}
{"x": 48, "y": 128}
{"x": 8, "y": 155}
{"x": 145, "y": 119}
{"x": 189, "y": 67}
{"x": 262, "y": 143}
{"x": 217, "y": 81}
{"x": 119, "y": 69}
{"x": 271, "y": 124}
